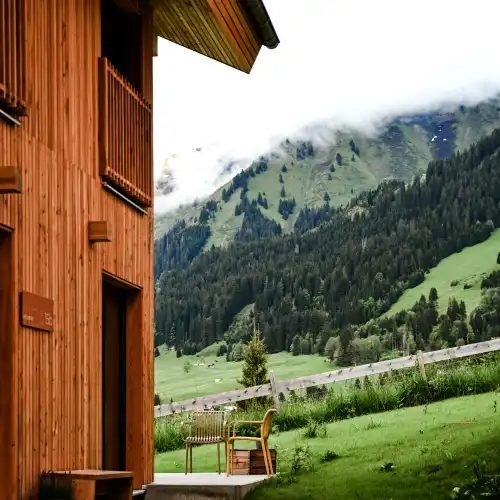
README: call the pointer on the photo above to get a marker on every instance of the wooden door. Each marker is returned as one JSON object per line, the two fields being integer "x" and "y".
{"x": 8, "y": 411}
{"x": 114, "y": 308}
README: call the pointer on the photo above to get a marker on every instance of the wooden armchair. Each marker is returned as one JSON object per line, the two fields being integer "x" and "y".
{"x": 265, "y": 430}
{"x": 205, "y": 427}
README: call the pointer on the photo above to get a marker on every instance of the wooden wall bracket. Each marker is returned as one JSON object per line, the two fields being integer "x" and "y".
{"x": 10, "y": 180}
{"x": 100, "y": 231}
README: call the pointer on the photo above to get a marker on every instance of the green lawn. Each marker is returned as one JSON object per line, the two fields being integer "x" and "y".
{"x": 429, "y": 446}
{"x": 469, "y": 266}
{"x": 171, "y": 381}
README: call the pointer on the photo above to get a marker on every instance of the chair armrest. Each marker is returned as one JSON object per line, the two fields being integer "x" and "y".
{"x": 255, "y": 422}
{"x": 251, "y": 422}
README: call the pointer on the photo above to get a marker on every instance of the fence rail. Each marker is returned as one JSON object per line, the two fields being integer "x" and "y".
{"x": 125, "y": 135}
{"x": 352, "y": 372}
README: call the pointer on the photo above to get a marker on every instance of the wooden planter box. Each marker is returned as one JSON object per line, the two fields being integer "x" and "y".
{"x": 251, "y": 462}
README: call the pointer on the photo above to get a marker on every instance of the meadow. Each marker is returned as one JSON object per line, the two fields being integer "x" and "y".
{"x": 377, "y": 394}
{"x": 421, "y": 452}
{"x": 172, "y": 381}
{"x": 459, "y": 276}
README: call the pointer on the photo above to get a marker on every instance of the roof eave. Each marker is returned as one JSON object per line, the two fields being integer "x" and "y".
{"x": 262, "y": 23}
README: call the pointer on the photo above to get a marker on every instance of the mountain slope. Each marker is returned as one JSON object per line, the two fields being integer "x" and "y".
{"x": 458, "y": 276}
{"x": 347, "y": 272}
{"x": 346, "y": 166}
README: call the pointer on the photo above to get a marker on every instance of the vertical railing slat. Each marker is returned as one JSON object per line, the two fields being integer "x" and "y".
{"x": 104, "y": 105}
{"x": 3, "y": 49}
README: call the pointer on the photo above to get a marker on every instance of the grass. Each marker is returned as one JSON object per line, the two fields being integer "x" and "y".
{"x": 468, "y": 267}
{"x": 343, "y": 401}
{"x": 429, "y": 446}
{"x": 171, "y": 381}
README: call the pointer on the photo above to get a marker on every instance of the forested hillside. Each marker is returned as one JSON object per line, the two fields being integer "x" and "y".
{"x": 312, "y": 286}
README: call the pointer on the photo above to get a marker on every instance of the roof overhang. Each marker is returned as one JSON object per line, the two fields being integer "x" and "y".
{"x": 229, "y": 31}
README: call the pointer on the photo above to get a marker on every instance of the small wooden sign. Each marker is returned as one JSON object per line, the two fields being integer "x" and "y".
{"x": 37, "y": 312}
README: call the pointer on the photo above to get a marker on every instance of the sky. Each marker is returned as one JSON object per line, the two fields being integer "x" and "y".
{"x": 340, "y": 63}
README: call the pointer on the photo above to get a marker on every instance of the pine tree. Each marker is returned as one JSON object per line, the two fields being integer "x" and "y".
{"x": 254, "y": 368}
{"x": 283, "y": 192}
{"x": 254, "y": 363}
{"x": 433, "y": 295}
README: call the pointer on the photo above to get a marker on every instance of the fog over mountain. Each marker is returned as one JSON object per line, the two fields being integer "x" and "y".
{"x": 340, "y": 65}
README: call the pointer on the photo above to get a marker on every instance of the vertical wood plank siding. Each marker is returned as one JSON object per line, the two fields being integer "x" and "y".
{"x": 13, "y": 55}
{"x": 58, "y": 375}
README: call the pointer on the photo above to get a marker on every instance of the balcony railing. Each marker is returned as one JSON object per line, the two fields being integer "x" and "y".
{"x": 125, "y": 136}
{"x": 13, "y": 56}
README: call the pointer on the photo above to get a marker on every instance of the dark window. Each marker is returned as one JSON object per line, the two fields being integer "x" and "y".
{"x": 13, "y": 57}
{"x": 121, "y": 41}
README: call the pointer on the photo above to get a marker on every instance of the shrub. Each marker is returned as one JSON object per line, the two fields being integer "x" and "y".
{"x": 328, "y": 456}
{"x": 167, "y": 435}
{"x": 482, "y": 485}
{"x": 314, "y": 429}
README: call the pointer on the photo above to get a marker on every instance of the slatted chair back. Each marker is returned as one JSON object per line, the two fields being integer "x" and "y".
{"x": 265, "y": 429}
{"x": 207, "y": 426}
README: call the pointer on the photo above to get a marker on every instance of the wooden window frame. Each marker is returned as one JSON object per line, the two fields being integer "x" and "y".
{"x": 13, "y": 92}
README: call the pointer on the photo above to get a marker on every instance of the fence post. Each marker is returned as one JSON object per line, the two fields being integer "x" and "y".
{"x": 274, "y": 391}
{"x": 421, "y": 364}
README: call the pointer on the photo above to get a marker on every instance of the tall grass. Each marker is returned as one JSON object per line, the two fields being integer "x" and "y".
{"x": 401, "y": 389}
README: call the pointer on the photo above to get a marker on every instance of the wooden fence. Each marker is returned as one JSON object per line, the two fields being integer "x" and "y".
{"x": 352, "y": 372}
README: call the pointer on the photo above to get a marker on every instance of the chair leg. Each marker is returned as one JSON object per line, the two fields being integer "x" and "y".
{"x": 187, "y": 453}
{"x": 218, "y": 458}
{"x": 229, "y": 465}
{"x": 191, "y": 459}
{"x": 269, "y": 459}
{"x": 264, "y": 454}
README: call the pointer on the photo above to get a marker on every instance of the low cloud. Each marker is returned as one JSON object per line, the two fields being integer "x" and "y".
{"x": 341, "y": 64}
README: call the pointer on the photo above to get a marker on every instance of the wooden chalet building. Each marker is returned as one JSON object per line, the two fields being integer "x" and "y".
{"x": 76, "y": 222}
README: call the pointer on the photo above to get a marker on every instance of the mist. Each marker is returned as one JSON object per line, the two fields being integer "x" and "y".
{"x": 341, "y": 64}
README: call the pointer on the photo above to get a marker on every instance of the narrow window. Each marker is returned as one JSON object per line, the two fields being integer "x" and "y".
{"x": 121, "y": 41}
{"x": 13, "y": 57}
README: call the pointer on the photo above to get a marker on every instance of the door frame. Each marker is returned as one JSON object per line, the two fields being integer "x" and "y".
{"x": 9, "y": 408}
{"x": 134, "y": 368}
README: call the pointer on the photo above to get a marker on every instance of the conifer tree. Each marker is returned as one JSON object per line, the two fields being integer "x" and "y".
{"x": 254, "y": 363}
{"x": 254, "y": 368}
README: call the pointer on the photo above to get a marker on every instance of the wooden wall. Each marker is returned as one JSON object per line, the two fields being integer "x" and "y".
{"x": 58, "y": 380}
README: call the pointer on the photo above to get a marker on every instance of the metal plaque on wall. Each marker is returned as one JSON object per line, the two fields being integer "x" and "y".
{"x": 37, "y": 312}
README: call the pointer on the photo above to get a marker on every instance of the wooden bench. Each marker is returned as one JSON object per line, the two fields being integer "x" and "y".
{"x": 92, "y": 484}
